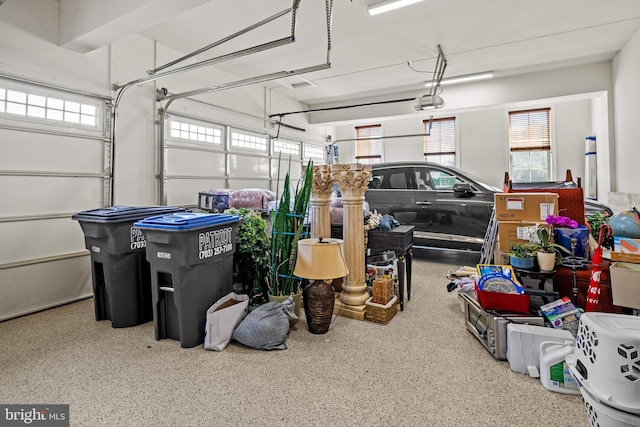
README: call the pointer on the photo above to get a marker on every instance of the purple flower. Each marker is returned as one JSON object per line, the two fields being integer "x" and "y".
{"x": 561, "y": 221}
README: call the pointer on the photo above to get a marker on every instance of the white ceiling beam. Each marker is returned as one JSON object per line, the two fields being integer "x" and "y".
{"x": 86, "y": 25}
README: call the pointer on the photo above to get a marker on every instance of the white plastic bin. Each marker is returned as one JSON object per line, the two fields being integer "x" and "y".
{"x": 601, "y": 415}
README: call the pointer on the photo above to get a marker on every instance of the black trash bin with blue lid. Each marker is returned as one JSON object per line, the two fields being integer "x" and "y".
{"x": 120, "y": 272}
{"x": 191, "y": 258}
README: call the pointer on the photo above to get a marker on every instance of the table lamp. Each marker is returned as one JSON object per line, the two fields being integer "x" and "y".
{"x": 319, "y": 260}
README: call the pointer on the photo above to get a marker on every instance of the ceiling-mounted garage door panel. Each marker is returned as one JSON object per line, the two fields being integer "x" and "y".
{"x": 294, "y": 167}
{"x": 42, "y": 195}
{"x": 241, "y": 165}
{"x": 195, "y": 162}
{"x": 184, "y": 192}
{"x": 23, "y": 151}
{"x": 240, "y": 184}
{"x": 39, "y": 239}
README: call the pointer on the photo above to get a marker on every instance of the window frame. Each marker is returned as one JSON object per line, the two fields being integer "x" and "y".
{"x": 533, "y": 141}
{"x": 244, "y": 132}
{"x": 369, "y": 141}
{"x": 195, "y": 122}
{"x": 306, "y": 146}
{"x": 285, "y": 145}
{"x": 35, "y": 91}
{"x": 452, "y": 140}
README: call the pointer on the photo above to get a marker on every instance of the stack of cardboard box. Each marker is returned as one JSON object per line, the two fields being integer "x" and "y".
{"x": 519, "y": 215}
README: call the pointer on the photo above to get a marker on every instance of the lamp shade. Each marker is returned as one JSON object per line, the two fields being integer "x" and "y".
{"x": 320, "y": 259}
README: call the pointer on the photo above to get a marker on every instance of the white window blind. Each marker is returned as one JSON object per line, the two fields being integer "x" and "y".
{"x": 529, "y": 130}
{"x": 369, "y": 144}
{"x": 440, "y": 144}
{"x": 530, "y": 145}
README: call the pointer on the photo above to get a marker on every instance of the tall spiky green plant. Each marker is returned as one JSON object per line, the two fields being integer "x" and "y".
{"x": 287, "y": 229}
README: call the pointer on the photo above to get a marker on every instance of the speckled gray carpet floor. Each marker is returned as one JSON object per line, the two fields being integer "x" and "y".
{"x": 422, "y": 369}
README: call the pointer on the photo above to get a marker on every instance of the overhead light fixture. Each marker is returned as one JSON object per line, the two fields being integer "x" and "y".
{"x": 305, "y": 82}
{"x": 387, "y": 5}
{"x": 463, "y": 79}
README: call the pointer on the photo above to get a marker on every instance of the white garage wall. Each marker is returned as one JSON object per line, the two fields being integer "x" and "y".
{"x": 572, "y": 125}
{"x": 627, "y": 126}
{"x": 483, "y": 144}
{"x": 483, "y": 139}
{"x": 45, "y": 174}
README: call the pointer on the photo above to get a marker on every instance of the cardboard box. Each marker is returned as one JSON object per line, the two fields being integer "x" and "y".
{"x": 533, "y": 207}
{"x": 626, "y": 245}
{"x": 625, "y": 284}
{"x": 513, "y": 232}
{"x": 625, "y": 257}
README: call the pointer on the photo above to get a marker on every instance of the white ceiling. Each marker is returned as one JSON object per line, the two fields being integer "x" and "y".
{"x": 369, "y": 54}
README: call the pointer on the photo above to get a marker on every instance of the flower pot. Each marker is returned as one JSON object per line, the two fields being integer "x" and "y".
{"x": 523, "y": 263}
{"x": 297, "y": 300}
{"x": 546, "y": 261}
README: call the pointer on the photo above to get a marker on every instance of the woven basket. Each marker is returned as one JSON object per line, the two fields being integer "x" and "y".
{"x": 381, "y": 313}
{"x": 382, "y": 290}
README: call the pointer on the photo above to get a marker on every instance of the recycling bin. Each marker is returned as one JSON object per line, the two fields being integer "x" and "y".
{"x": 191, "y": 260}
{"x": 120, "y": 272}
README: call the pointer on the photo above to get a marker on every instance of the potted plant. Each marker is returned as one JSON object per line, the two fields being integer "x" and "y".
{"x": 251, "y": 258}
{"x": 595, "y": 221}
{"x": 287, "y": 227}
{"x": 548, "y": 253}
{"x": 521, "y": 256}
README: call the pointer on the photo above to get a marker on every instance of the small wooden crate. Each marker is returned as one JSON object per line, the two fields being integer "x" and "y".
{"x": 382, "y": 290}
{"x": 625, "y": 257}
{"x": 381, "y": 313}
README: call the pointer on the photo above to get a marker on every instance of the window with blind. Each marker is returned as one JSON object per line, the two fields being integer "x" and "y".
{"x": 530, "y": 145}
{"x": 369, "y": 144}
{"x": 440, "y": 144}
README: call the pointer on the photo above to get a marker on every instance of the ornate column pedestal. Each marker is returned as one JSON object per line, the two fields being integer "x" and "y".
{"x": 352, "y": 180}
{"x": 320, "y": 201}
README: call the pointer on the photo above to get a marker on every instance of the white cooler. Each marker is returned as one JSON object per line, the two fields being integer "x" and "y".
{"x": 606, "y": 359}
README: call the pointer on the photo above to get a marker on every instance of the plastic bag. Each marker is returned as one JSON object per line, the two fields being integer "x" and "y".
{"x": 222, "y": 319}
{"x": 266, "y": 327}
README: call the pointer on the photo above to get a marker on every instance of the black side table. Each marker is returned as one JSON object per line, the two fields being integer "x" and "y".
{"x": 400, "y": 240}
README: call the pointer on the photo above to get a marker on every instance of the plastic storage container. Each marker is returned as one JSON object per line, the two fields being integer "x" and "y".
{"x": 523, "y": 346}
{"x": 606, "y": 359}
{"x": 191, "y": 258}
{"x": 214, "y": 201}
{"x": 554, "y": 373}
{"x": 119, "y": 269}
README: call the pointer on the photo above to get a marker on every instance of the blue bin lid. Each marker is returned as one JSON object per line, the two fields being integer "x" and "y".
{"x": 124, "y": 213}
{"x": 185, "y": 221}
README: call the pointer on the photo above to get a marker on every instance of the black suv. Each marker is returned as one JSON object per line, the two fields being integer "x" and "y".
{"x": 448, "y": 207}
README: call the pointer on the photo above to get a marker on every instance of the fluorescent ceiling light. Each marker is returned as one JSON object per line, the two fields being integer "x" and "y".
{"x": 305, "y": 82}
{"x": 387, "y": 5}
{"x": 463, "y": 79}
